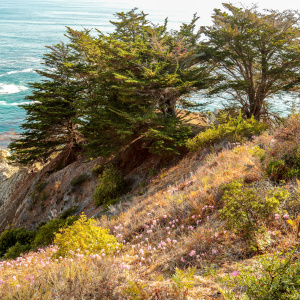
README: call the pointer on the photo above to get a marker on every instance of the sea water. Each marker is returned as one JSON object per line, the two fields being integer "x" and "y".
{"x": 27, "y": 26}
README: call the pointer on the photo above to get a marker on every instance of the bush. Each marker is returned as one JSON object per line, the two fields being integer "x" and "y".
{"x": 248, "y": 209}
{"x": 275, "y": 277}
{"x": 283, "y": 161}
{"x": 11, "y": 237}
{"x": 235, "y": 130}
{"x": 16, "y": 250}
{"x": 46, "y": 233}
{"x": 286, "y": 168}
{"x": 86, "y": 236}
{"x": 110, "y": 187}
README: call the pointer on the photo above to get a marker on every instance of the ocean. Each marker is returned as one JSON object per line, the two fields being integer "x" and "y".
{"x": 27, "y": 26}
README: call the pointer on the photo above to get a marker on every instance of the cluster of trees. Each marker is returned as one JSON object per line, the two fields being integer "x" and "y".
{"x": 100, "y": 92}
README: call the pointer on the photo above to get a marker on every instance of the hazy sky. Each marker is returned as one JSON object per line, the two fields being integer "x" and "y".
{"x": 184, "y": 9}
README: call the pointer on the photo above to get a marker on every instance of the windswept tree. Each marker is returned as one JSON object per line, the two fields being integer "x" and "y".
{"x": 256, "y": 53}
{"x": 142, "y": 72}
{"x": 49, "y": 127}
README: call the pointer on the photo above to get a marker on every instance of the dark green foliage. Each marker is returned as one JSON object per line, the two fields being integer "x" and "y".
{"x": 49, "y": 126}
{"x": 69, "y": 212}
{"x": 110, "y": 187}
{"x": 15, "y": 235}
{"x": 168, "y": 137}
{"x": 275, "y": 277}
{"x": 283, "y": 157}
{"x": 46, "y": 233}
{"x": 16, "y": 241}
{"x": 16, "y": 250}
{"x": 235, "y": 130}
{"x": 286, "y": 168}
{"x": 136, "y": 78}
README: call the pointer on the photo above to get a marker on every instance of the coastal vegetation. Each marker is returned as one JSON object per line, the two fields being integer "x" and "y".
{"x": 215, "y": 218}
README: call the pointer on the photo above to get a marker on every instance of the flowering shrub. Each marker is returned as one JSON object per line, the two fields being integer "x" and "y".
{"x": 86, "y": 236}
{"x": 234, "y": 131}
{"x": 248, "y": 209}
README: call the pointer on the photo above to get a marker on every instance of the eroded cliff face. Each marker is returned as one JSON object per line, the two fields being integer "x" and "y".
{"x": 30, "y": 196}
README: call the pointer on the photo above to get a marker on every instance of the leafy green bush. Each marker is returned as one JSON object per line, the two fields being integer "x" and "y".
{"x": 46, "y": 233}
{"x": 110, "y": 187}
{"x": 235, "y": 130}
{"x": 86, "y": 236}
{"x": 16, "y": 250}
{"x": 248, "y": 209}
{"x": 283, "y": 157}
{"x": 11, "y": 237}
{"x": 275, "y": 277}
{"x": 286, "y": 168}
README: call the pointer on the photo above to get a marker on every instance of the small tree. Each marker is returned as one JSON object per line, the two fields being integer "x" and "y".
{"x": 256, "y": 54}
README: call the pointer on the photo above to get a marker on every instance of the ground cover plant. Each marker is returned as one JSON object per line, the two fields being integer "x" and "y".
{"x": 179, "y": 223}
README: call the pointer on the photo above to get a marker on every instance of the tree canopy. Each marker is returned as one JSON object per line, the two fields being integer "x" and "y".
{"x": 255, "y": 53}
{"x": 103, "y": 91}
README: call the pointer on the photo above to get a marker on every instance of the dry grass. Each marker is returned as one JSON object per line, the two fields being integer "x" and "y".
{"x": 175, "y": 224}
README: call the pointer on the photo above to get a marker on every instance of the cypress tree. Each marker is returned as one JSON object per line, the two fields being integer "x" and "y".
{"x": 49, "y": 126}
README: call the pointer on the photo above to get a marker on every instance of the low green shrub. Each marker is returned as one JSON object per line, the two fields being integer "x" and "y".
{"x": 235, "y": 130}
{"x": 249, "y": 209}
{"x": 46, "y": 233}
{"x": 275, "y": 277}
{"x": 16, "y": 250}
{"x": 11, "y": 237}
{"x": 111, "y": 186}
{"x": 285, "y": 168}
{"x": 85, "y": 235}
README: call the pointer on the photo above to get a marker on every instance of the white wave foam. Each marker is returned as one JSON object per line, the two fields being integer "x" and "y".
{"x": 16, "y": 72}
{"x": 4, "y": 103}
{"x": 11, "y": 88}
{"x": 22, "y": 71}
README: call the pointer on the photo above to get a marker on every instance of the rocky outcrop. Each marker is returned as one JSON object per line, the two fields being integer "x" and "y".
{"x": 31, "y": 196}
{"x": 6, "y": 170}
